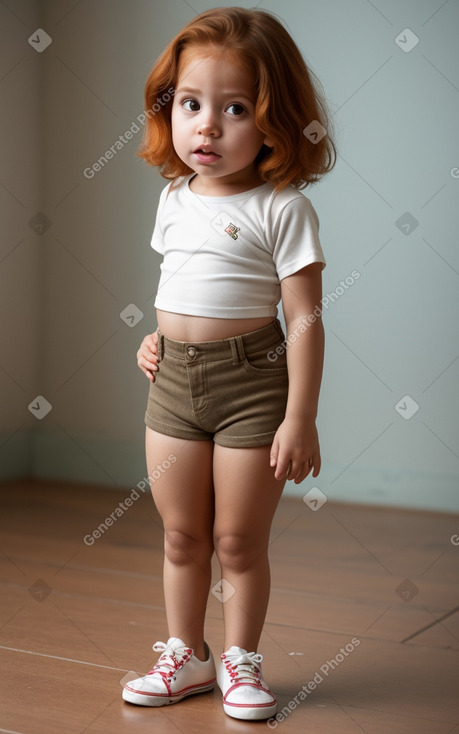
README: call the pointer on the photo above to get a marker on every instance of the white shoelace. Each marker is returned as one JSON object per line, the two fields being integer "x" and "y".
{"x": 171, "y": 660}
{"x": 243, "y": 668}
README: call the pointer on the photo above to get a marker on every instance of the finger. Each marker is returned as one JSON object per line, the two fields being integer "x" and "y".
{"x": 149, "y": 354}
{"x": 149, "y": 344}
{"x": 314, "y": 464}
{"x": 148, "y": 374}
{"x": 273, "y": 454}
{"x": 152, "y": 342}
{"x": 279, "y": 474}
{"x": 150, "y": 349}
{"x": 296, "y": 474}
{"x": 317, "y": 466}
{"x": 302, "y": 474}
{"x": 146, "y": 359}
{"x": 283, "y": 467}
{"x": 297, "y": 470}
{"x": 145, "y": 364}
{"x": 308, "y": 466}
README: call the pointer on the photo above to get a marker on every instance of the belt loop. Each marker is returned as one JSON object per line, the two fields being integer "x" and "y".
{"x": 237, "y": 348}
{"x": 234, "y": 353}
{"x": 160, "y": 346}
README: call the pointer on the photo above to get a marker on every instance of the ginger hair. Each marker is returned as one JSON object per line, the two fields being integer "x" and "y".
{"x": 288, "y": 96}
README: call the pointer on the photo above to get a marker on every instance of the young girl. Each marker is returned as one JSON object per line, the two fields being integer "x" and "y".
{"x": 239, "y": 128}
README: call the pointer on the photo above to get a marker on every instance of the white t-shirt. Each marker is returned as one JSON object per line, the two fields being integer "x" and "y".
{"x": 224, "y": 256}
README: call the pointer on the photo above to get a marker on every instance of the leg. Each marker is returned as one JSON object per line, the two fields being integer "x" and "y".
{"x": 246, "y": 497}
{"x": 184, "y": 498}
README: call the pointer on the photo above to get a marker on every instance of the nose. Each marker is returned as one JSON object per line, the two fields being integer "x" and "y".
{"x": 207, "y": 131}
{"x": 207, "y": 125}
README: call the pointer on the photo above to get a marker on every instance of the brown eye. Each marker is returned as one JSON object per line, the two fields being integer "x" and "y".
{"x": 236, "y": 109}
{"x": 191, "y": 105}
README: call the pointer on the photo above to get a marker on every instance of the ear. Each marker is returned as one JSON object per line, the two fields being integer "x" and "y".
{"x": 269, "y": 142}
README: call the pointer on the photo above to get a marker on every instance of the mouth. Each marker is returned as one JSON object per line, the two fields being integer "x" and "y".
{"x": 206, "y": 152}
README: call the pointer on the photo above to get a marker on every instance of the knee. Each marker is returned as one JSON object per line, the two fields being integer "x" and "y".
{"x": 237, "y": 552}
{"x": 181, "y": 548}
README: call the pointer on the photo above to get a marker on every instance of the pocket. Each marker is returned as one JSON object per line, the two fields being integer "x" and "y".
{"x": 267, "y": 361}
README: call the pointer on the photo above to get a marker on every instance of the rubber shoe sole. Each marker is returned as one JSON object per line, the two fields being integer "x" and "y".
{"x": 250, "y": 713}
{"x": 154, "y": 699}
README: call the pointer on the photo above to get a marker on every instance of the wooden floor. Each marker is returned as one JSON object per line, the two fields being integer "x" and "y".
{"x": 76, "y": 618}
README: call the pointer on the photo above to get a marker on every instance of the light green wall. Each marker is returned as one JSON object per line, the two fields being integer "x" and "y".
{"x": 392, "y": 333}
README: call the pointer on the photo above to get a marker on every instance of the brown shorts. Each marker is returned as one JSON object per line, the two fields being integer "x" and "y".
{"x": 232, "y": 391}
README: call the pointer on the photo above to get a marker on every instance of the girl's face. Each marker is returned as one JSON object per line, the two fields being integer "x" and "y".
{"x": 213, "y": 121}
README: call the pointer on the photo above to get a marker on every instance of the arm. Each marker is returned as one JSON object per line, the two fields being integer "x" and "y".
{"x": 295, "y": 449}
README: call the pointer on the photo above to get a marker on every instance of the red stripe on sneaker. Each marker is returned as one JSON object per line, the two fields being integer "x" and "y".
{"x": 200, "y": 685}
{"x": 249, "y": 705}
{"x": 170, "y": 695}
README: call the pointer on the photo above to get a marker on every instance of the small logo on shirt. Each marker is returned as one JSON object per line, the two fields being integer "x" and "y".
{"x": 218, "y": 223}
{"x": 232, "y": 230}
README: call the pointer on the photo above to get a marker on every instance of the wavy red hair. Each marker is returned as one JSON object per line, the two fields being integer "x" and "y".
{"x": 288, "y": 96}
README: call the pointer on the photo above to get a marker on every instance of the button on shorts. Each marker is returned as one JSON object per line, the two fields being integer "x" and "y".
{"x": 232, "y": 391}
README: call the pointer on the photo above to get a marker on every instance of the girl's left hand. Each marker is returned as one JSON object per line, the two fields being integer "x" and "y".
{"x": 295, "y": 450}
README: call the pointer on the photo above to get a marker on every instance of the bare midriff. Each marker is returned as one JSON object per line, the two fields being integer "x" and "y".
{"x": 181, "y": 327}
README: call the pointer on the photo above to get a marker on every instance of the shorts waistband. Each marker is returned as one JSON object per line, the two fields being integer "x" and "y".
{"x": 234, "y": 346}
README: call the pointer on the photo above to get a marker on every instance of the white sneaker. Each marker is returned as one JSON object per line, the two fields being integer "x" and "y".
{"x": 178, "y": 673}
{"x": 245, "y": 693}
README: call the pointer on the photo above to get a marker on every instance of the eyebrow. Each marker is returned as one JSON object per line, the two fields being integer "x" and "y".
{"x": 224, "y": 92}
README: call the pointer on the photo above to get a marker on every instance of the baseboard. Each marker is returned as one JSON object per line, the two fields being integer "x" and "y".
{"x": 377, "y": 486}
{"x": 77, "y": 458}
{"x": 74, "y": 457}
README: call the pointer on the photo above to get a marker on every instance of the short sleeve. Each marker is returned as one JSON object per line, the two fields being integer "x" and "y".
{"x": 157, "y": 240}
{"x": 296, "y": 237}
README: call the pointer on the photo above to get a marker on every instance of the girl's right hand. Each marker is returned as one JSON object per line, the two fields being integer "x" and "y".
{"x": 147, "y": 356}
